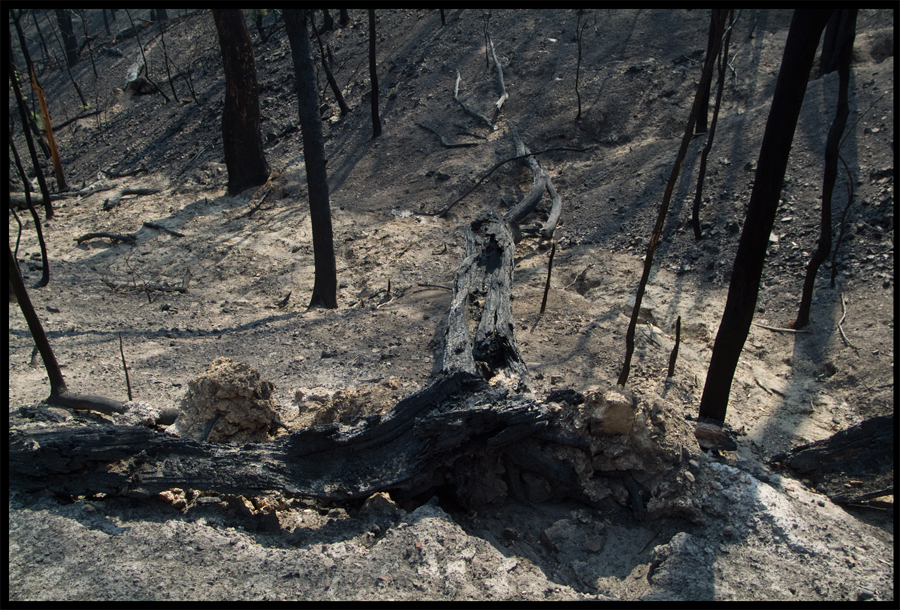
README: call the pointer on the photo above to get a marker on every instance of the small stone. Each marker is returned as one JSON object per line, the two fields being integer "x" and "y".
{"x": 710, "y": 436}
{"x": 864, "y": 595}
{"x": 612, "y": 413}
{"x": 378, "y": 504}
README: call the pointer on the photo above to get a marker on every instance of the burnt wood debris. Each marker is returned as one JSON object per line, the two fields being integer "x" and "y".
{"x": 478, "y": 410}
{"x": 458, "y": 414}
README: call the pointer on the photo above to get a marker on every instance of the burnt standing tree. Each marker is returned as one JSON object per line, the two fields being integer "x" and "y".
{"x": 716, "y": 19}
{"x": 345, "y": 110}
{"x": 23, "y": 115}
{"x": 64, "y": 19}
{"x": 241, "y": 139}
{"x": 799, "y": 52}
{"x": 59, "y": 393}
{"x": 702, "y": 91}
{"x": 717, "y": 27}
{"x": 373, "y": 75}
{"x": 325, "y": 286}
{"x": 846, "y": 18}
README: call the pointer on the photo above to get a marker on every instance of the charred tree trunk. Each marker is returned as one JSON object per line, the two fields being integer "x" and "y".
{"x": 45, "y": 53}
{"x": 162, "y": 39}
{"x": 325, "y": 287}
{"x": 853, "y": 465}
{"x": 456, "y": 415}
{"x": 45, "y": 262}
{"x": 59, "y": 394}
{"x": 373, "y": 75}
{"x": 716, "y": 29}
{"x": 702, "y": 91}
{"x": 70, "y": 45}
{"x": 69, "y": 69}
{"x": 799, "y": 52}
{"x": 845, "y": 50}
{"x": 45, "y": 113}
{"x": 444, "y": 436}
{"x": 244, "y": 155}
{"x": 327, "y": 22}
{"x": 54, "y": 373}
{"x": 701, "y": 174}
{"x": 842, "y": 23}
{"x": 345, "y": 110}
{"x": 23, "y": 115}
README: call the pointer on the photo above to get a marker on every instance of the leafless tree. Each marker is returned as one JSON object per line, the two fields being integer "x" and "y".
{"x": 847, "y": 22}
{"x": 242, "y": 141}
{"x": 20, "y": 103}
{"x": 325, "y": 286}
{"x": 790, "y": 89}
{"x": 373, "y": 75}
{"x": 70, "y": 46}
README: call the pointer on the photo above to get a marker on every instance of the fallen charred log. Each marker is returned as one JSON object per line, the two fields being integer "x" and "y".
{"x": 475, "y": 430}
{"x": 853, "y": 465}
{"x": 454, "y": 416}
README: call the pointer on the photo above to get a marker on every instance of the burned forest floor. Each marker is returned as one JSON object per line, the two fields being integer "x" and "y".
{"x": 247, "y": 263}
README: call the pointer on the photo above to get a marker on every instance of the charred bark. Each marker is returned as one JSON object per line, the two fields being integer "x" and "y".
{"x": 832, "y": 145}
{"x": 702, "y": 91}
{"x": 424, "y": 431}
{"x": 345, "y": 110}
{"x": 470, "y": 432}
{"x": 704, "y": 155}
{"x": 45, "y": 261}
{"x": 325, "y": 287}
{"x": 59, "y": 393}
{"x": 850, "y": 465}
{"x": 799, "y": 52}
{"x": 373, "y": 76}
{"x": 459, "y": 414}
{"x": 23, "y": 116}
{"x": 716, "y": 29}
{"x": 242, "y": 141}
{"x": 540, "y": 181}
{"x": 70, "y": 46}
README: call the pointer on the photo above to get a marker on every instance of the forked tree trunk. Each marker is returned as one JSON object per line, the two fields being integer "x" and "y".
{"x": 716, "y": 21}
{"x": 241, "y": 139}
{"x": 799, "y": 52}
{"x": 704, "y": 155}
